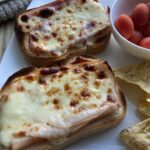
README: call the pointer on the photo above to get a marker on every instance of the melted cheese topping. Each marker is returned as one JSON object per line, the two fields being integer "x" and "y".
{"x": 47, "y": 106}
{"x": 65, "y": 27}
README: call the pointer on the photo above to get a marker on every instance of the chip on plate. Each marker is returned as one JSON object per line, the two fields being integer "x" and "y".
{"x": 138, "y": 75}
{"x": 138, "y": 136}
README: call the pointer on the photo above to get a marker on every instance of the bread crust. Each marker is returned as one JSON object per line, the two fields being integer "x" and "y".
{"x": 97, "y": 125}
{"x": 92, "y": 47}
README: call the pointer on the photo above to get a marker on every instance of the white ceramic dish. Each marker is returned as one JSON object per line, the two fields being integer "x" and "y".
{"x": 13, "y": 60}
{"x": 126, "y": 7}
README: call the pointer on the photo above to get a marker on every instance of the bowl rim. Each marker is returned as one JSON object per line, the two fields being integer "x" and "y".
{"x": 120, "y": 36}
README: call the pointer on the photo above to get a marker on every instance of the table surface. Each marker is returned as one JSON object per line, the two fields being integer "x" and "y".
{"x": 6, "y": 30}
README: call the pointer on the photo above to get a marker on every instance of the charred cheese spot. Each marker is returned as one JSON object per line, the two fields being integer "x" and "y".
{"x": 74, "y": 103}
{"x": 28, "y": 26}
{"x": 24, "y": 18}
{"x": 64, "y": 69}
{"x": 56, "y": 101}
{"x": 45, "y": 13}
{"x": 110, "y": 99}
{"x": 54, "y": 34}
{"x": 101, "y": 75}
{"x": 48, "y": 71}
{"x": 34, "y": 37}
{"x": 89, "y": 67}
{"x": 76, "y": 70}
{"x": 42, "y": 81}
{"x": 91, "y": 25}
{"x": 85, "y": 93}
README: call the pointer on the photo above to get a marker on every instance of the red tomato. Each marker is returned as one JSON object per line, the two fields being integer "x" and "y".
{"x": 147, "y": 30}
{"x": 145, "y": 43}
{"x": 140, "y": 14}
{"x": 148, "y": 4}
{"x": 125, "y": 26}
{"x": 136, "y": 37}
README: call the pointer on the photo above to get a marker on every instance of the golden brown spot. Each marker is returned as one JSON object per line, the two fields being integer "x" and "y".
{"x": 67, "y": 88}
{"x": 57, "y": 107}
{"x": 47, "y": 37}
{"x": 93, "y": 106}
{"x": 52, "y": 91}
{"x": 4, "y": 98}
{"x": 109, "y": 91}
{"x": 74, "y": 103}
{"x": 69, "y": 11}
{"x": 19, "y": 134}
{"x": 60, "y": 75}
{"x": 97, "y": 83}
{"x": 74, "y": 28}
{"x": 85, "y": 93}
{"x": 60, "y": 39}
{"x": 29, "y": 78}
{"x": 84, "y": 76}
{"x": 36, "y": 129}
{"x": 20, "y": 88}
{"x": 71, "y": 37}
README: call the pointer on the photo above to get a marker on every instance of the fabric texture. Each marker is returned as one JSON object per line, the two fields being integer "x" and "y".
{"x": 9, "y": 8}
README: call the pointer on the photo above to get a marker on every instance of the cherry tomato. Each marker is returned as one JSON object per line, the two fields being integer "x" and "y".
{"x": 125, "y": 26}
{"x": 145, "y": 43}
{"x": 136, "y": 37}
{"x": 140, "y": 14}
{"x": 147, "y": 30}
{"x": 148, "y": 4}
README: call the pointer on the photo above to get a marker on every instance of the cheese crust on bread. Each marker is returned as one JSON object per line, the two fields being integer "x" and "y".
{"x": 52, "y": 103}
{"x": 56, "y": 29}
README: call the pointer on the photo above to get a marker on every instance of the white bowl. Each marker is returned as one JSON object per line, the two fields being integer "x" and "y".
{"x": 126, "y": 7}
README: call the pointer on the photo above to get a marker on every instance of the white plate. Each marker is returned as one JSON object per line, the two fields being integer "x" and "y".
{"x": 13, "y": 60}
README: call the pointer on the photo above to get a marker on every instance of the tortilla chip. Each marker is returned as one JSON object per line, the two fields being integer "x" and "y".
{"x": 136, "y": 74}
{"x": 144, "y": 107}
{"x": 138, "y": 136}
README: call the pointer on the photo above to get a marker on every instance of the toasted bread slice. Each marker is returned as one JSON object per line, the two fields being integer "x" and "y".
{"x": 138, "y": 136}
{"x": 49, "y": 108}
{"x": 54, "y": 31}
